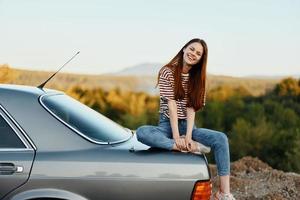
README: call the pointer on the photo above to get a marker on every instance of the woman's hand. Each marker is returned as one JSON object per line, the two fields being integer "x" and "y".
{"x": 190, "y": 144}
{"x": 180, "y": 143}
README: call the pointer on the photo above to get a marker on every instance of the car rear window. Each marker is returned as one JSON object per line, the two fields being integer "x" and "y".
{"x": 84, "y": 120}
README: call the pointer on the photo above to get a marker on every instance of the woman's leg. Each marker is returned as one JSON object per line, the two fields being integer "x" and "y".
{"x": 156, "y": 136}
{"x": 219, "y": 144}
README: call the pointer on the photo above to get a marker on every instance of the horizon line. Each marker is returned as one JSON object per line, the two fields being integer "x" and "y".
{"x": 296, "y": 75}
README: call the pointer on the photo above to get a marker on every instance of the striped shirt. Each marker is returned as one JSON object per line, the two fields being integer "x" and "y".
{"x": 166, "y": 92}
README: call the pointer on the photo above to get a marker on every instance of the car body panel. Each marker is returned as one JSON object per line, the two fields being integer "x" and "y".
{"x": 10, "y": 180}
{"x": 113, "y": 174}
{"x": 69, "y": 166}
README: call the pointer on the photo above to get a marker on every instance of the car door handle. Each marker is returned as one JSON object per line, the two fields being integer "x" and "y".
{"x": 9, "y": 168}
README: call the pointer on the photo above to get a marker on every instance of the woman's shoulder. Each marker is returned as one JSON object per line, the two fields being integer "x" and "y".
{"x": 166, "y": 72}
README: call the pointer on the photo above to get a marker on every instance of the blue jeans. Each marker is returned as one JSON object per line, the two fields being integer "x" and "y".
{"x": 161, "y": 137}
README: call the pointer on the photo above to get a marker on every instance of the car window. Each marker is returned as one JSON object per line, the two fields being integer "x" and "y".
{"x": 8, "y": 138}
{"x": 88, "y": 122}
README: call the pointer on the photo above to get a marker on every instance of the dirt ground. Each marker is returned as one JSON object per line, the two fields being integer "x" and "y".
{"x": 252, "y": 179}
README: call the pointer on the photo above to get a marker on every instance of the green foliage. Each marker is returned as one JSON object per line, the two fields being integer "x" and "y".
{"x": 267, "y": 126}
{"x": 288, "y": 87}
{"x": 126, "y": 108}
{"x": 212, "y": 116}
{"x": 250, "y": 139}
{"x": 224, "y": 92}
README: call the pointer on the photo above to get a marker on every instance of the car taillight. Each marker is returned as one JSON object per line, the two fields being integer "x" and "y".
{"x": 202, "y": 190}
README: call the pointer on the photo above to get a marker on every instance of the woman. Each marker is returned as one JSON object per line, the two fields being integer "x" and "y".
{"x": 182, "y": 93}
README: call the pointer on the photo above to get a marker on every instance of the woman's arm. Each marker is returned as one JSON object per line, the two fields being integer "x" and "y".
{"x": 190, "y": 123}
{"x": 180, "y": 142}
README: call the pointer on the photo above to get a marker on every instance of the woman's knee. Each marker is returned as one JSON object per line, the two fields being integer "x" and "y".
{"x": 142, "y": 132}
{"x": 222, "y": 138}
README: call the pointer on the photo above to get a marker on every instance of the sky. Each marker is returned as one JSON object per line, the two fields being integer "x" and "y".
{"x": 244, "y": 37}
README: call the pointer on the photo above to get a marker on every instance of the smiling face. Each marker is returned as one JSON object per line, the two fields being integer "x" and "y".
{"x": 192, "y": 53}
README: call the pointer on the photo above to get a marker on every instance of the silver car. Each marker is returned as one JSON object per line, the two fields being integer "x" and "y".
{"x": 52, "y": 146}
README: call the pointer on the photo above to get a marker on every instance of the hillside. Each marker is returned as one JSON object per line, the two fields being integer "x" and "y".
{"x": 147, "y": 84}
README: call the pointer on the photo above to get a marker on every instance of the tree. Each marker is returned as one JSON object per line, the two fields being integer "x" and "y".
{"x": 288, "y": 87}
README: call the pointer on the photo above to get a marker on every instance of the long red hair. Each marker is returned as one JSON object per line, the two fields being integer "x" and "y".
{"x": 197, "y": 77}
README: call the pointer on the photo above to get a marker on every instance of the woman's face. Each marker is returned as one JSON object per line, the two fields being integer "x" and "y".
{"x": 192, "y": 53}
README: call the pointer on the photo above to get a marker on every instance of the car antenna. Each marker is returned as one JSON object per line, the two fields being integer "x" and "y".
{"x": 43, "y": 84}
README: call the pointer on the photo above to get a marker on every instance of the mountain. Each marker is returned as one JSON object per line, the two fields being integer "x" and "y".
{"x": 143, "y": 69}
